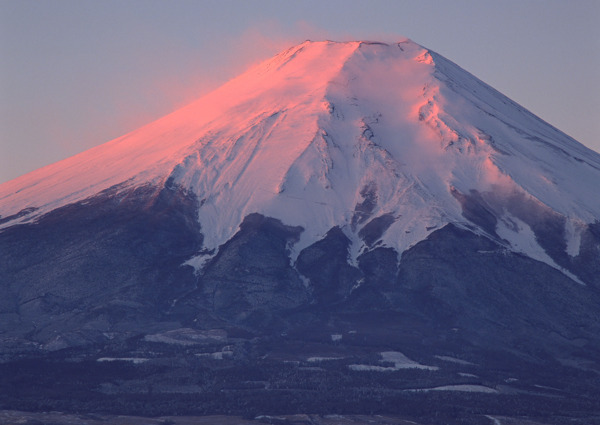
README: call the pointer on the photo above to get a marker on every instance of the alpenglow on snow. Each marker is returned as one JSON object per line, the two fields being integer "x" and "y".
{"x": 388, "y": 142}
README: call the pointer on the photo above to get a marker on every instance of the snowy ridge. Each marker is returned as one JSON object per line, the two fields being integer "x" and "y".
{"x": 385, "y": 141}
{"x": 151, "y": 153}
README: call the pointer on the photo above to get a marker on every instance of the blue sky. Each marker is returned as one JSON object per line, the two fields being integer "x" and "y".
{"x": 77, "y": 73}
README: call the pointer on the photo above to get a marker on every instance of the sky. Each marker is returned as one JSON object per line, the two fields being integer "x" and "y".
{"x": 78, "y": 73}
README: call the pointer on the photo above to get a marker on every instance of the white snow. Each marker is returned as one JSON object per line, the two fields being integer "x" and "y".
{"x": 454, "y": 360}
{"x": 218, "y": 355}
{"x": 466, "y": 388}
{"x": 545, "y": 387}
{"x": 462, "y": 388}
{"x": 400, "y": 362}
{"x": 522, "y": 239}
{"x": 299, "y": 136}
{"x": 187, "y": 336}
{"x": 573, "y": 231}
{"x": 317, "y": 359}
{"x": 371, "y": 368}
{"x": 494, "y": 420}
{"x": 134, "y": 360}
{"x": 199, "y": 261}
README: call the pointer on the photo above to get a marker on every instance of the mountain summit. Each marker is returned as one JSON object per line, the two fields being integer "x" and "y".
{"x": 357, "y": 135}
{"x": 370, "y": 193}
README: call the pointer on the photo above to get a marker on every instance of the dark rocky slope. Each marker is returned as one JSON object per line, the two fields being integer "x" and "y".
{"x": 104, "y": 278}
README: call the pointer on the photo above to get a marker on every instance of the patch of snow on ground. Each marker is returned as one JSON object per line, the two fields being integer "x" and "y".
{"x": 522, "y": 239}
{"x": 218, "y": 355}
{"x": 461, "y": 387}
{"x": 547, "y": 388}
{"x": 454, "y": 360}
{"x": 372, "y": 368}
{"x": 322, "y": 359}
{"x": 187, "y": 336}
{"x": 134, "y": 360}
{"x": 400, "y": 362}
{"x": 573, "y": 231}
{"x": 199, "y": 262}
{"x": 494, "y": 420}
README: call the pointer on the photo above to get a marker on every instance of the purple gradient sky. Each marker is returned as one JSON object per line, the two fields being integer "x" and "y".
{"x": 77, "y": 73}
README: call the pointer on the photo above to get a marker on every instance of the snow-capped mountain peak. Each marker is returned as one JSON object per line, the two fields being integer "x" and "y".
{"x": 386, "y": 141}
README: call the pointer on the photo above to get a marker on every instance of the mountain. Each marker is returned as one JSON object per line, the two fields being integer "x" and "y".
{"x": 370, "y": 208}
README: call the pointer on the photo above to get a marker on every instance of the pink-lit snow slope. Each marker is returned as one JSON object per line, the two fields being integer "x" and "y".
{"x": 308, "y": 134}
{"x": 150, "y": 153}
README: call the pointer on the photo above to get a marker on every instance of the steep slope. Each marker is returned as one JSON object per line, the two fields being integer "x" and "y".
{"x": 363, "y": 136}
{"x": 150, "y": 154}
